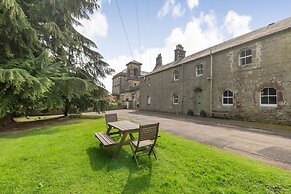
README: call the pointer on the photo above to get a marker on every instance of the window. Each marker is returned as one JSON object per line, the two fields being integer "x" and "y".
{"x": 149, "y": 81}
{"x": 245, "y": 57}
{"x": 269, "y": 97}
{"x": 175, "y": 99}
{"x": 199, "y": 70}
{"x": 135, "y": 72}
{"x": 227, "y": 98}
{"x": 148, "y": 100}
{"x": 176, "y": 75}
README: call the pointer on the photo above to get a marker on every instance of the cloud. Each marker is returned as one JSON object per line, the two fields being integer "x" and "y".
{"x": 199, "y": 33}
{"x": 171, "y": 6}
{"x": 118, "y": 64}
{"x": 178, "y": 11}
{"x": 165, "y": 9}
{"x": 192, "y": 3}
{"x": 237, "y": 24}
{"x": 97, "y": 25}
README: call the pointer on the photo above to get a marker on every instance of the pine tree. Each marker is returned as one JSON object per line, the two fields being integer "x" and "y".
{"x": 41, "y": 53}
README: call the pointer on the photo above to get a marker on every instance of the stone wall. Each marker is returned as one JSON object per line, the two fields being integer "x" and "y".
{"x": 132, "y": 97}
{"x": 270, "y": 68}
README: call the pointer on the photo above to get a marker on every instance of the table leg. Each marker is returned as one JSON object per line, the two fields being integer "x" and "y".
{"x": 115, "y": 154}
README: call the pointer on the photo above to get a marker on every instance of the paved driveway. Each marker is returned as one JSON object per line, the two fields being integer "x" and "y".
{"x": 270, "y": 147}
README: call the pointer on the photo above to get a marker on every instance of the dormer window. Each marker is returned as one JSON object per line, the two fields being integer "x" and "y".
{"x": 176, "y": 75}
{"x": 199, "y": 70}
{"x": 245, "y": 57}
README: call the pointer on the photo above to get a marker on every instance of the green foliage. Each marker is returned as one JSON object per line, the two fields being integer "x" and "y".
{"x": 67, "y": 159}
{"x": 44, "y": 62}
{"x": 190, "y": 112}
{"x": 18, "y": 38}
{"x": 19, "y": 88}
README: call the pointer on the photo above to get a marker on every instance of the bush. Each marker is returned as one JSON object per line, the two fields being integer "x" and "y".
{"x": 190, "y": 112}
{"x": 202, "y": 113}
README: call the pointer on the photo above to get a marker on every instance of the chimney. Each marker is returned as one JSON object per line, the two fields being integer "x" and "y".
{"x": 179, "y": 52}
{"x": 159, "y": 61}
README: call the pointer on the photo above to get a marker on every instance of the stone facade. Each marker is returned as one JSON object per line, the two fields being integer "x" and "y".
{"x": 246, "y": 77}
{"x": 125, "y": 84}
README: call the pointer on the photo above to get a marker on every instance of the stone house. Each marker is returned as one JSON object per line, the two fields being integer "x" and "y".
{"x": 125, "y": 84}
{"x": 247, "y": 77}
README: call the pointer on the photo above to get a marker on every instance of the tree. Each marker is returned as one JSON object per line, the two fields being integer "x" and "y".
{"x": 42, "y": 53}
{"x": 18, "y": 50}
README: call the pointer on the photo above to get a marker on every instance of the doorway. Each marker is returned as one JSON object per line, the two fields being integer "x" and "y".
{"x": 198, "y": 99}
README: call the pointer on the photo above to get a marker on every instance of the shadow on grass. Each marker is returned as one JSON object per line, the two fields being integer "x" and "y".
{"x": 138, "y": 182}
{"x": 22, "y": 127}
{"x": 138, "y": 179}
{"x": 100, "y": 158}
{"x": 50, "y": 129}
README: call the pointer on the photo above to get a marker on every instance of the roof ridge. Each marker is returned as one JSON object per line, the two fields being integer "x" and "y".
{"x": 250, "y": 36}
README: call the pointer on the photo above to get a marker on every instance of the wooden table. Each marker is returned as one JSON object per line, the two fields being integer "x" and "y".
{"x": 125, "y": 128}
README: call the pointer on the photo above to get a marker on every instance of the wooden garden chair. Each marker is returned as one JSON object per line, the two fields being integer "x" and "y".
{"x": 147, "y": 138}
{"x": 105, "y": 138}
{"x": 110, "y": 118}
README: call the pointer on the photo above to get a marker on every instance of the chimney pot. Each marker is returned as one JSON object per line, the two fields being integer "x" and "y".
{"x": 159, "y": 61}
{"x": 179, "y": 52}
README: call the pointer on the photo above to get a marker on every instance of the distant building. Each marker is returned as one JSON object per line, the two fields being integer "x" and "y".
{"x": 125, "y": 84}
{"x": 247, "y": 77}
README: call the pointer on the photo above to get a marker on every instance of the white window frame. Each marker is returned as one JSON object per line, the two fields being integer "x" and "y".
{"x": 149, "y": 81}
{"x": 227, "y": 97}
{"x": 175, "y": 98}
{"x": 268, "y": 96}
{"x": 245, "y": 57}
{"x": 199, "y": 67}
{"x": 176, "y": 75}
{"x": 148, "y": 100}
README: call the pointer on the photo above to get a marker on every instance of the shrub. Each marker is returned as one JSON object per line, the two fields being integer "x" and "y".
{"x": 190, "y": 112}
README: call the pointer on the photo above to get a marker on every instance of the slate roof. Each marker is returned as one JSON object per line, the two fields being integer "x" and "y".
{"x": 256, "y": 34}
{"x": 122, "y": 73}
{"x": 135, "y": 62}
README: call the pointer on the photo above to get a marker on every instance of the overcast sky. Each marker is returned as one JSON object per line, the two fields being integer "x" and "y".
{"x": 157, "y": 26}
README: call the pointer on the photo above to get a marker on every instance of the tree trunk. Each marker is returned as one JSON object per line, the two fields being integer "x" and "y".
{"x": 67, "y": 107}
{"x": 7, "y": 120}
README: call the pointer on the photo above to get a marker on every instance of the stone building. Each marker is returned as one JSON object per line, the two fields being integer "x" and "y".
{"x": 247, "y": 77}
{"x": 125, "y": 84}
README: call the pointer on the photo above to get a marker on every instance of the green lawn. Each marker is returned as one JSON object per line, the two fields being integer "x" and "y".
{"x": 66, "y": 159}
{"x": 36, "y": 118}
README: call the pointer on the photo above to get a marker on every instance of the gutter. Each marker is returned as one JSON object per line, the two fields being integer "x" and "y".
{"x": 182, "y": 104}
{"x": 211, "y": 83}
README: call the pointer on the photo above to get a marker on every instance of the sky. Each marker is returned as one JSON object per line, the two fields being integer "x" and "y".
{"x": 126, "y": 30}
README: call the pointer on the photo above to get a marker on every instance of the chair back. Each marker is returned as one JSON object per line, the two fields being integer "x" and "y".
{"x": 110, "y": 118}
{"x": 148, "y": 132}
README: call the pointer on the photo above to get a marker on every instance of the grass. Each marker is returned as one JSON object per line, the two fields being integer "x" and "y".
{"x": 36, "y": 118}
{"x": 66, "y": 158}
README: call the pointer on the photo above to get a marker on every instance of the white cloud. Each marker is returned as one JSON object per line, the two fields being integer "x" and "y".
{"x": 192, "y": 3}
{"x": 171, "y": 6}
{"x": 165, "y": 9}
{"x": 178, "y": 11}
{"x": 199, "y": 33}
{"x": 97, "y": 26}
{"x": 118, "y": 64}
{"x": 237, "y": 24}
